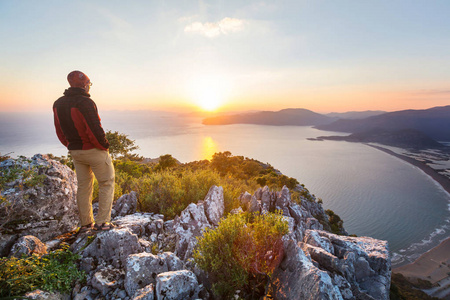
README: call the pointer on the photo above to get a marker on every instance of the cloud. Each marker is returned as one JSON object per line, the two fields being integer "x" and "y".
{"x": 433, "y": 92}
{"x": 211, "y": 30}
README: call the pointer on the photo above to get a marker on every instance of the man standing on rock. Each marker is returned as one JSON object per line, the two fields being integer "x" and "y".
{"x": 78, "y": 128}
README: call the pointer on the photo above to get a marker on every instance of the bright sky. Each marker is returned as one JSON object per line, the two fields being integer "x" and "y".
{"x": 323, "y": 55}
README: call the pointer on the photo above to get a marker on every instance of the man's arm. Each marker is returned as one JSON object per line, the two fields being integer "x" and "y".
{"x": 59, "y": 132}
{"x": 94, "y": 128}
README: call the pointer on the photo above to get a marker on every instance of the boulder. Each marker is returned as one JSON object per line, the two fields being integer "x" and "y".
{"x": 245, "y": 200}
{"x": 42, "y": 295}
{"x": 113, "y": 247}
{"x": 138, "y": 223}
{"x": 125, "y": 205}
{"x": 214, "y": 205}
{"x": 298, "y": 278}
{"x": 188, "y": 226}
{"x": 42, "y": 198}
{"x": 28, "y": 245}
{"x": 142, "y": 269}
{"x": 107, "y": 280}
{"x": 177, "y": 285}
{"x": 146, "y": 293}
{"x": 283, "y": 199}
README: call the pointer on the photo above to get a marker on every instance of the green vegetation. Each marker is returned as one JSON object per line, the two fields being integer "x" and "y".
{"x": 167, "y": 186}
{"x": 120, "y": 145}
{"x": 403, "y": 289}
{"x": 56, "y": 271}
{"x": 336, "y": 223}
{"x": 241, "y": 253}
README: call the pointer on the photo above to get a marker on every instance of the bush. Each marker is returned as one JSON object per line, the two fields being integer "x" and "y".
{"x": 56, "y": 271}
{"x": 336, "y": 223}
{"x": 241, "y": 253}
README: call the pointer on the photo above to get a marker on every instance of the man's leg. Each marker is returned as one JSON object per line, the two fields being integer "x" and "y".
{"x": 103, "y": 169}
{"x": 85, "y": 184}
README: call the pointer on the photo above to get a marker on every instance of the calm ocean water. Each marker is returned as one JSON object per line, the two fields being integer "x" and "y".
{"x": 376, "y": 194}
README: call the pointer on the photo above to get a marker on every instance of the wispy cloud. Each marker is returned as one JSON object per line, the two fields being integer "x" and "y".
{"x": 211, "y": 30}
{"x": 434, "y": 92}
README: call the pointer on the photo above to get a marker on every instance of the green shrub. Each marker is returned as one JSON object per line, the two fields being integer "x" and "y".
{"x": 242, "y": 252}
{"x": 56, "y": 271}
{"x": 336, "y": 223}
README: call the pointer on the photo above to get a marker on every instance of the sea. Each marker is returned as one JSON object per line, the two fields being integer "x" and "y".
{"x": 376, "y": 194}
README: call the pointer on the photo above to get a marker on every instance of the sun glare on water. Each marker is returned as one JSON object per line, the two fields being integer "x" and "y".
{"x": 209, "y": 93}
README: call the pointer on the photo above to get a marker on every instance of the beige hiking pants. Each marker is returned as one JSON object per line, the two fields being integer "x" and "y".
{"x": 87, "y": 164}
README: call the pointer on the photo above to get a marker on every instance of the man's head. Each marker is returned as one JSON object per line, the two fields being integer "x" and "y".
{"x": 79, "y": 79}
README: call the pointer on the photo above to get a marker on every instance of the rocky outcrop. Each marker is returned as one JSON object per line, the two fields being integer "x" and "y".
{"x": 195, "y": 218}
{"x": 125, "y": 205}
{"x": 40, "y": 199}
{"x": 317, "y": 263}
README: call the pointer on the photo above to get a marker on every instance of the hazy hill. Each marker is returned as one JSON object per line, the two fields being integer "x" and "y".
{"x": 405, "y": 138}
{"x": 434, "y": 122}
{"x": 292, "y": 116}
{"x": 356, "y": 114}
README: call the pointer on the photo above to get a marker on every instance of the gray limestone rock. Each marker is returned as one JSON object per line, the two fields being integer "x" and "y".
{"x": 146, "y": 293}
{"x": 245, "y": 200}
{"x": 107, "y": 280}
{"x": 28, "y": 245}
{"x": 313, "y": 223}
{"x": 125, "y": 205}
{"x": 138, "y": 223}
{"x": 142, "y": 269}
{"x": 42, "y": 295}
{"x": 298, "y": 278}
{"x": 363, "y": 262}
{"x": 113, "y": 246}
{"x": 187, "y": 227}
{"x": 255, "y": 205}
{"x": 283, "y": 199}
{"x": 313, "y": 238}
{"x": 177, "y": 285}
{"x": 43, "y": 210}
{"x": 214, "y": 205}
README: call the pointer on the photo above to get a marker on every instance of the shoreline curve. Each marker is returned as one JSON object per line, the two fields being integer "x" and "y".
{"x": 443, "y": 181}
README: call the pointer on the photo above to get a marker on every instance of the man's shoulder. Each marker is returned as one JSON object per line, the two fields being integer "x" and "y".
{"x": 74, "y": 100}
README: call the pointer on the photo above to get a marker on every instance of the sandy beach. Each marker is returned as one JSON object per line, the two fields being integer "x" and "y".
{"x": 433, "y": 266}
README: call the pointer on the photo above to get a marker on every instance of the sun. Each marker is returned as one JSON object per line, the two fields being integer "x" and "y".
{"x": 209, "y": 99}
{"x": 209, "y": 92}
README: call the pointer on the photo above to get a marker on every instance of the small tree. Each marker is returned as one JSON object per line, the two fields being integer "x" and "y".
{"x": 120, "y": 145}
{"x": 166, "y": 162}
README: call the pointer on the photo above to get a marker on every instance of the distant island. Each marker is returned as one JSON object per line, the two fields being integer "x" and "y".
{"x": 285, "y": 117}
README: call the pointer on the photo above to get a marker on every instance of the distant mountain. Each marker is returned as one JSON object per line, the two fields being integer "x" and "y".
{"x": 434, "y": 122}
{"x": 356, "y": 114}
{"x": 291, "y": 116}
{"x": 405, "y": 138}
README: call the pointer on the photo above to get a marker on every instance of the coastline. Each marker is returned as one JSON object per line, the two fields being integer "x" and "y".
{"x": 443, "y": 181}
{"x": 433, "y": 265}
